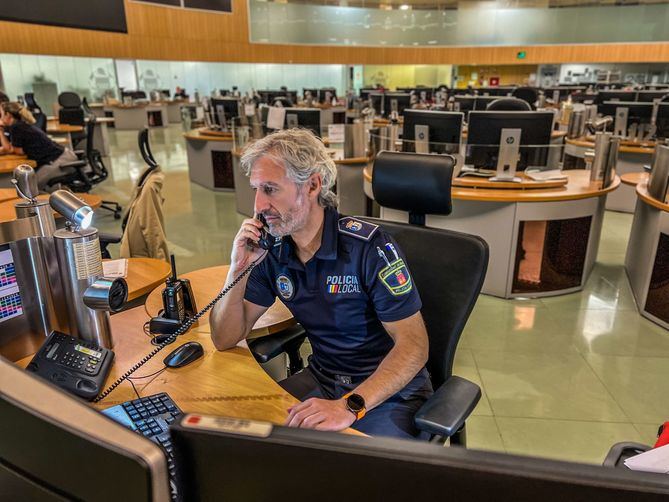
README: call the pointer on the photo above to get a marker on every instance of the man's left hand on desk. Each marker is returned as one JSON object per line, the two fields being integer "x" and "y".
{"x": 320, "y": 414}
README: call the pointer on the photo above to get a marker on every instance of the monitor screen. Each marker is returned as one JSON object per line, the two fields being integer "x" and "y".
{"x": 637, "y": 113}
{"x": 444, "y": 130}
{"x": 395, "y": 102}
{"x": 10, "y": 296}
{"x": 485, "y": 129}
{"x": 307, "y": 118}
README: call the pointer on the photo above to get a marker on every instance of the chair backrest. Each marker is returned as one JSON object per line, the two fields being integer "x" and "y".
{"x": 31, "y": 103}
{"x": 86, "y": 108}
{"x": 40, "y": 120}
{"x": 417, "y": 183}
{"x": 145, "y": 148}
{"x": 69, "y": 100}
{"x": 529, "y": 94}
{"x": 448, "y": 269}
{"x": 510, "y": 105}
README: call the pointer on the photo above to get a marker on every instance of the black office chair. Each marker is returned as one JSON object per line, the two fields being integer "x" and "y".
{"x": 448, "y": 269}
{"x": 72, "y": 113}
{"x": 620, "y": 452}
{"x": 89, "y": 170}
{"x": 38, "y": 114}
{"x": 152, "y": 165}
{"x": 85, "y": 107}
{"x": 509, "y": 105}
{"x": 529, "y": 94}
{"x": 282, "y": 101}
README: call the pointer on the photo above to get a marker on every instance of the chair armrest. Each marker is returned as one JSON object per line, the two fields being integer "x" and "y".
{"x": 447, "y": 409}
{"x": 77, "y": 164}
{"x": 268, "y": 347}
{"x": 620, "y": 452}
{"x": 109, "y": 238}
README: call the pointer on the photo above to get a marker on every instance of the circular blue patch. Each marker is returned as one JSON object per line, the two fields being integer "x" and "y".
{"x": 285, "y": 286}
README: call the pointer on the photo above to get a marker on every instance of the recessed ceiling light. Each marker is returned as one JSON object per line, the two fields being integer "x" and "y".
{"x": 404, "y": 7}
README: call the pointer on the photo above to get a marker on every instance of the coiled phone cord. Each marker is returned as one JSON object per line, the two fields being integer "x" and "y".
{"x": 184, "y": 327}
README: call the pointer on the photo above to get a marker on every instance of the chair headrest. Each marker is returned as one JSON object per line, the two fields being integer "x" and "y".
{"x": 413, "y": 182}
{"x": 509, "y": 105}
{"x": 69, "y": 100}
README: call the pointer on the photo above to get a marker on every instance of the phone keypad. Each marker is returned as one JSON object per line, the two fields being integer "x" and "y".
{"x": 71, "y": 358}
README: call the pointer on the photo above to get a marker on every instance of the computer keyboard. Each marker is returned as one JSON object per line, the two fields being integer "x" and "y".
{"x": 151, "y": 416}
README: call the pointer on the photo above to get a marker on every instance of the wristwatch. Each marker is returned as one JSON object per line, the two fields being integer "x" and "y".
{"x": 355, "y": 403}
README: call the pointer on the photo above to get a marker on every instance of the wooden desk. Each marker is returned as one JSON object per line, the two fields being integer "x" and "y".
{"x": 631, "y": 159}
{"x": 7, "y": 212}
{"x": 525, "y": 230}
{"x": 144, "y": 275}
{"x": 9, "y": 162}
{"x": 633, "y": 179}
{"x": 206, "y": 284}
{"x": 55, "y": 127}
{"x": 645, "y": 260}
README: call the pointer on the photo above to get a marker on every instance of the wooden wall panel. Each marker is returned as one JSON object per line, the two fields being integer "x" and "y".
{"x": 173, "y": 34}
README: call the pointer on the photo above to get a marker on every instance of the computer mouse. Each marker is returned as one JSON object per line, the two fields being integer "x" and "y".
{"x": 183, "y": 355}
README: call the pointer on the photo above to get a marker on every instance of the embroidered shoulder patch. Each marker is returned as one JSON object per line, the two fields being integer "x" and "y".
{"x": 357, "y": 228}
{"x": 396, "y": 278}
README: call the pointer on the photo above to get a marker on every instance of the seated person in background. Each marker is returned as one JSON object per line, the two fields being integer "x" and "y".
{"x": 180, "y": 93}
{"x": 343, "y": 279}
{"x": 18, "y": 135}
{"x": 3, "y": 97}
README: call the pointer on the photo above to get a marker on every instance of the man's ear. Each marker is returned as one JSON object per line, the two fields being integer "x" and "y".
{"x": 314, "y": 184}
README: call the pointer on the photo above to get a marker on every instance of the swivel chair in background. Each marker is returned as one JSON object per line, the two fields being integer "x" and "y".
{"x": 38, "y": 114}
{"x": 72, "y": 113}
{"x": 509, "y": 105}
{"x": 89, "y": 171}
{"x": 143, "y": 226}
{"x": 529, "y": 94}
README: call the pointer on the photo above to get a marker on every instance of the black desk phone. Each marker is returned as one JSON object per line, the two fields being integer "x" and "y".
{"x": 78, "y": 366}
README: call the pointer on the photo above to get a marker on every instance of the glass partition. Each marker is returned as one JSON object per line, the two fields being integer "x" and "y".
{"x": 471, "y": 24}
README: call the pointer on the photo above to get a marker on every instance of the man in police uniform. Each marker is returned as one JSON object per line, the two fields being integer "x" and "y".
{"x": 344, "y": 280}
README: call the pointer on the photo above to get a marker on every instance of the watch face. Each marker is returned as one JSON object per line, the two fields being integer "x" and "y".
{"x": 356, "y": 402}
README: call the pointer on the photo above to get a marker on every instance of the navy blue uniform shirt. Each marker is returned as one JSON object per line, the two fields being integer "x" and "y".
{"x": 342, "y": 294}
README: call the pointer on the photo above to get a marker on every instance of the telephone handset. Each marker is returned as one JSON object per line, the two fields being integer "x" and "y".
{"x": 265, "y": 243}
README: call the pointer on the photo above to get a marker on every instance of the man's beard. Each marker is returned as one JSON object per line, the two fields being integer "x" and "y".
{"x": 292, "y": 221}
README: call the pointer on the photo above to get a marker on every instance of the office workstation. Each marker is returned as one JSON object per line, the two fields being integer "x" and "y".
{"x": 238, "y": 254}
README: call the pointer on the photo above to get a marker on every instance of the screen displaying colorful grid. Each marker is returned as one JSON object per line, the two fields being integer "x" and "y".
{"x": 10, "y": 297}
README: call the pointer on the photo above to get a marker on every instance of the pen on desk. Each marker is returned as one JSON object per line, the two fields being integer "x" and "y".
{"x": 382, "y": 255}
{"x": 391, "y": 248}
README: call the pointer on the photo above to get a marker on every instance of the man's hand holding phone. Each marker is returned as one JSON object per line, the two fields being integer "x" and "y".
{"x": 245, "y": 247}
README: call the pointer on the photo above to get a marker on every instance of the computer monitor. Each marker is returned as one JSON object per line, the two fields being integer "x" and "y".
{"x": 637, "y": 113}
{"x": 650, "y": 96}
{"x": 269, "y": 97}
{"x": 485, "y": 129}
{"x": 662, "y": 121}
{"x": 222, "y": 459}
{"x": 481, "y": 103}
{"x": 165, "y": 92}
{"x": 495, "y": 91}
{"x": 365, "y": 92}
{"x": 307, "y": 118}
{"x": 396, "y": 101}
{"x": 326, "y": 94}
{"x": 312, "y": 91}
{"x": 421, "y": 93}
{"x": 227, "y": 108}
{"x": 603, "y": 96}
{"x": 56, "y": 447}
{"x": 444, "y": 131}
{"x": 376, "y": 100}
{"x": 464, "y": 104}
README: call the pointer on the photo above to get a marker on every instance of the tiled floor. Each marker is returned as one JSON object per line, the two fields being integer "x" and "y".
{"x": 563, "y": 377}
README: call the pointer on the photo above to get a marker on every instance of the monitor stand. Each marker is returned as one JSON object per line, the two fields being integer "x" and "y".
{"x": 620, "y": 127}
{"x": 508, "y": 155}
{"x": 422, "y": 138}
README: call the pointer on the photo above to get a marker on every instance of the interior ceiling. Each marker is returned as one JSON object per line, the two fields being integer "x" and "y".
{"x": 455, "y": 4}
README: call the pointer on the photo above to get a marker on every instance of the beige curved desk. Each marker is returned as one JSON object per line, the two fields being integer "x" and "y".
{"x": 631, "y": 159}
{"x": 210, "y": 162}
{"x": 137, "y": 116}
{"x": 646, "y": 260}
{"x": 543, "y": 241}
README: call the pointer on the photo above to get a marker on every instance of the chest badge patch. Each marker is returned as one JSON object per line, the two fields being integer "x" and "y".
{"x": 285, "y": 286}
{"x": 396, "y": 278}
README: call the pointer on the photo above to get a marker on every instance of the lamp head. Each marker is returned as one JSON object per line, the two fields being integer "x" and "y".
{"x": 72, "y": 208}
